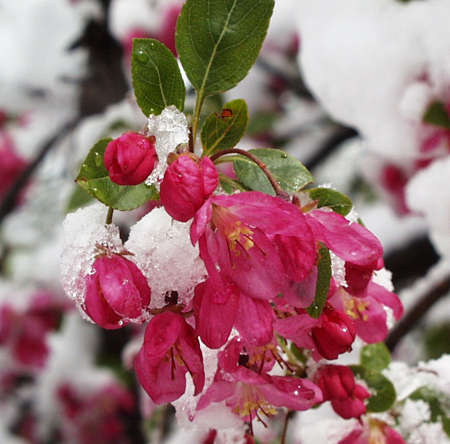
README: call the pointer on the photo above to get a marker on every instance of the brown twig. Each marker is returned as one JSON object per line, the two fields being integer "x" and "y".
{"x": 417, "y": 312}
{"x": 288, "y": 416}
{"x": 278, "y": 190}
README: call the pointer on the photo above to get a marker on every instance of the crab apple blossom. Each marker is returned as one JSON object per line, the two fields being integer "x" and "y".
{"x": 258, "y": 242}
{"x": 332, "y": 334}
{"x": 373, "y": 431}
{"x": 249, "y": 393}
{"x": 170, "y": 350}
{"x": 187, "y": 184}
{"x": 116, "y": 291}
{"x": 130, "y": 158}
{"x": 338, "y": 385}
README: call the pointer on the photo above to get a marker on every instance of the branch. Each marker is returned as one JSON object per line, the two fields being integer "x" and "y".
{"x": 331, "y": 143}
{"x": 10, "y": 199}
{"x": 417, "y": 311}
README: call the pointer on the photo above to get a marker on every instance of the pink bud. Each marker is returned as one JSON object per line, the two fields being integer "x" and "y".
{"x": 116, "y": 291}
{"x": 338, "y": 385}
{"x": 187, "y": 184}
{"x": 130, "y": 158}
{"x": 335, "y": 335}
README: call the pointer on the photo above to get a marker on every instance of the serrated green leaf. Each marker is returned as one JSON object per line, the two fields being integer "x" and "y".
{"x": 218, "y": 41}
{"x": 157, "y": 80}
{"x": 223, "y": 131}
{"x": 79, "y": 198}
{"x": 94, "y": 178}
{"x": 326, "y": 197}
{"x": 437, "y": 114}
{"x": 385, "y": 394}
{"x": 323, "y": 282}
{"x": 434, "y": 402}
{"x": 375, "y": 356}
{"x": 289, "y": 172}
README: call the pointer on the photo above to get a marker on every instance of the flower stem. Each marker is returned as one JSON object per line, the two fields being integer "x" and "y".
{"x": 109, "y": 216}
{"x": 288, "y": 416}
{"x": 276, "y": 186}
{"x": 196, "y": 118}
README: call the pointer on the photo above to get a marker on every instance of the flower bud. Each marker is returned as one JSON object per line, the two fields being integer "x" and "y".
{"x": 116, "y": 292}
{"x": 187, "y": 184}
{"x": 130, "y": 158}
{"x": 335, "y": 335}
{"x": 338, "y": 385}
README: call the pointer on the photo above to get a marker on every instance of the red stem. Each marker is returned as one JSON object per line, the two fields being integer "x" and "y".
{"x": 276, "y": 186}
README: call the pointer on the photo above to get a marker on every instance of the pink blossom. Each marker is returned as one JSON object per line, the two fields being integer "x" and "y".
{"x": 187, "y": 183}
{"x": 130, "y": 158}
{"x": 116, "y": 291}
{"x": 373, "y": 432}
{"x": 258, "y": 242}
{"x": 11, "y": 164}
{"x": 94, "y": 417}
{"x": 350, "y": 241}
{"x": 250, "y": 394}
{"x": 335, "y": 334}
{"x": 367, "y": 310}
{"x": 220, "y": 307}
{"x": 328, "y": 336}
{"x": 24, "y": 332}
{"x": 338, "y": 385}
{"x": 170, "y": 350}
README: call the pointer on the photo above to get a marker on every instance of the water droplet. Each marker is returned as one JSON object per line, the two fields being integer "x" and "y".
{"x": 284, "y": 155}
{"x": 296, "y": 392}
{"x": 98, "y": 159}
{"x": 120, "y": 322}
{"x": 142, "y": 56}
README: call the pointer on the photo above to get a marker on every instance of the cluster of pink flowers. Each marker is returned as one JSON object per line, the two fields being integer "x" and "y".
{"x": 261, "y": 254}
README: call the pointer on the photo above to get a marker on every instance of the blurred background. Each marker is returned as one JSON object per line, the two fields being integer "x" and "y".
{"x": 360, "y": 93}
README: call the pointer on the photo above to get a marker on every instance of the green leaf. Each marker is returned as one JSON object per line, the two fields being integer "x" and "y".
{"x": 94, "y": 178}
{"x": 333, "y": 199}
{"x": 375, "y": 356}
{"x": 437, "y": 114}
{"x": 219, "y": 40}
{"x": 289, "y": 172}
{"x": 385, "y": 394}
{"x": 79, "y": 198}
{"x": 434, "y": 402}
{"x": 229, "y": 185}
{"x": 323, "y": 282}
{"x": 157, "y": 80}
{"x": 224, "y": 131}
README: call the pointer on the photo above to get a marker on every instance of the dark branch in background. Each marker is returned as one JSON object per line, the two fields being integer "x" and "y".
{"x": 410, "y": 261}
{"x": 295, "y": 84}
{"x": 420, "y": 308}
{"x": 105, "y": 84}
{"x": 342, "y": 134}
{"x": 10, "y": 199}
